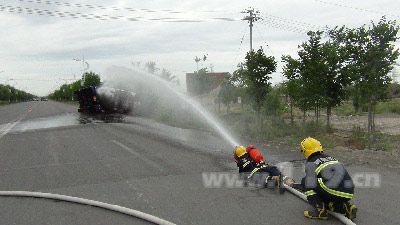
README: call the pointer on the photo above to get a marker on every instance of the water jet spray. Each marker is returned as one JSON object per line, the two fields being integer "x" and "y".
{"x": 131, "y": 73}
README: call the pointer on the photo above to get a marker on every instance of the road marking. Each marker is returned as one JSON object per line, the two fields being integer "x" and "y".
{"x": 5, "y": 127}
{"x": 8, "y": 129}
{"x": 11, "y": 127}
{"x": 148, "y": 161}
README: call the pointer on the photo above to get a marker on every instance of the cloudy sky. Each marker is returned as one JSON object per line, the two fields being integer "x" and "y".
{"x": 40, "y": 38}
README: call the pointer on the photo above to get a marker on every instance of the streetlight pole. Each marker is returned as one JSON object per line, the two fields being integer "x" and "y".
{"x": 84, "y": 70}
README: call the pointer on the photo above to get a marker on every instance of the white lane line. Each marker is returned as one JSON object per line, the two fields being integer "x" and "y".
{"x": 148, "y": 161}
{"x": 5, "y": 127}
{"x": 8, "y": 129}
{"x": 11, "y": 127}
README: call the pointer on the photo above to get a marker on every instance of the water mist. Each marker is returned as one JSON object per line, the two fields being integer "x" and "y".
{"x": 125, "y": 78}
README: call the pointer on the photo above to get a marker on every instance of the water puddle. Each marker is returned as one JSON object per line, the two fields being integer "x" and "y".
{"x": 100, "y": 118}
{"x": 62, "y": 120}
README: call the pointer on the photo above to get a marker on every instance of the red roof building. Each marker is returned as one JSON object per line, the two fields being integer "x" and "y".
{"x": 190, "y": 81}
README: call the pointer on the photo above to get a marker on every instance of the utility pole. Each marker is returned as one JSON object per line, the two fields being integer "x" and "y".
{"x": 252, "y": 17}
{"x": 84, "y": 70}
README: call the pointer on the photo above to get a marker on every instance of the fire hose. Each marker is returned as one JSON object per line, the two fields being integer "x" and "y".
{"x": 338, "y": 216}
{"x": 88, "y": 202}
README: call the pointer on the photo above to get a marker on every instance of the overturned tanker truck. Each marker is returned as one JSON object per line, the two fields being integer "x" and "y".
{"x": 105, "y": 100}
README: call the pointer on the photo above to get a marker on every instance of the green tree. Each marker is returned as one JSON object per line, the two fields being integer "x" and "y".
{"x": 151, "y": 67}
{"x": 258, "y": 68}
{"x": 229, "y": 92}
{"x": 313, "y": 70}
{"x": 372, "y": 57}
{"x": 238, "y": 79}
{"x": 337, "y": 77}
{"x": 197, "y": 60}
{"x": 394, "y": 90}
{"x": 295, "y": 88}
{"x": 11, "y": 94}
{"x": 91, "y": 79}
{"x": 202, "y": 82}
{"x": 320, "y": 75}
{"x": 166, "y": 75}
{"x": 272, "y": 104}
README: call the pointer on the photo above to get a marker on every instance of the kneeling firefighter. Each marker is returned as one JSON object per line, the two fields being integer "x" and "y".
{"x": 255, "y": 169}
{"x": 327, "y": 183}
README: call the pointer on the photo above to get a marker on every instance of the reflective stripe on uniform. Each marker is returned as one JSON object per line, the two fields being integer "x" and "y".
{"x": 255, "y": 170}
{"x": 309, "y": 193}
{"x": 319, "y": 168}
{"x": 334, "y": 192}
{"x": 331, "y": 206}
{"x": 247, "y": 163}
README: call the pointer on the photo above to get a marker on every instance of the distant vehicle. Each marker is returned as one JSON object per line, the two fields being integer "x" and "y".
{"x": 107, "y": 100}
{"x": 88, "y": 102}
{"x": 43, "y": 99}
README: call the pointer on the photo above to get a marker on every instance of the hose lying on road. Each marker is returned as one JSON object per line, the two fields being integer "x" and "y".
{"x": 83, "y": 201}
{"x": 339, "y": 216}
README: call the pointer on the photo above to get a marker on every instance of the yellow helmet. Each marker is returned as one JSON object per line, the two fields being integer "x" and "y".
{"x": 310, "y": 146}
{"x": 239, "y": 151}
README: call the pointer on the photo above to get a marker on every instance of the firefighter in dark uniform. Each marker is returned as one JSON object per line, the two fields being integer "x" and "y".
{"x": 259, "y": 173}
{"x": 327, "y": 184}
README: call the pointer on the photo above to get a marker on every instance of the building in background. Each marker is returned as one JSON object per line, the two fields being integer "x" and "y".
{"x": 191, "y": 82}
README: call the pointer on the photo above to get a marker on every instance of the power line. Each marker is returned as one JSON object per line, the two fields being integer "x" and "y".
{"x": 290, "y": 25}
{"x": 263, "y": 39}
{"x": 292, "y": 22}
{"x": 240, "y": 46}
{"x": 90, "y": 16}
{"x": 355, "y": 8}
{"x": 284, "y": 27}
{"x": 115, "y": 8}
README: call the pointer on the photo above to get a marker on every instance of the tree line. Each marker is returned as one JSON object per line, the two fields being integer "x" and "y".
{"x": 11, "y": 94}
{"x": 326, "y": 67}
{"x": 66, "y": 91}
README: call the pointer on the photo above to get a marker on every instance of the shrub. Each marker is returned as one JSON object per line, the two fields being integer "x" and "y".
{"x": 392, "y": 106}
{"x": 357, "y": 139}
{"x": 345, "y": 109}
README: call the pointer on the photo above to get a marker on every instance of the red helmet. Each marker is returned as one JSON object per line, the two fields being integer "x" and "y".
{"x": 255, "y": 154}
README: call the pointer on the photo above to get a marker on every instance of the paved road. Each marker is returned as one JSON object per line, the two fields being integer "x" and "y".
{"x": 141, "y": 165}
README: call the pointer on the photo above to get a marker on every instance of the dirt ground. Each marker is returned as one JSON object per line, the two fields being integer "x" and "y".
{"x": 388, "y": 123}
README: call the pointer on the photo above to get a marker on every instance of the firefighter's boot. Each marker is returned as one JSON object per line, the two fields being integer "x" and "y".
{"x": 350, "y": 210}
{"x": 271, "y": 182}
{"x": 320, "y": 212}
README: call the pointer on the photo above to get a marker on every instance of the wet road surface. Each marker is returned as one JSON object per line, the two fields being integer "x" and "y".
{"x": 146, "y": 166}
